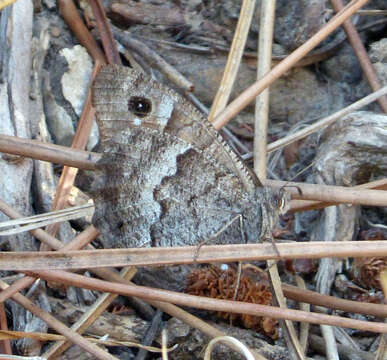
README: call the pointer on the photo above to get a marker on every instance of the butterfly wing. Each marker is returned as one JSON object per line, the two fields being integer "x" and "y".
{"x": 167, "y": 176}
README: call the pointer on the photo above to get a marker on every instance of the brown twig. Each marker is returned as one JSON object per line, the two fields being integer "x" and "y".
{"x": 314, "y": 298}
{"x": 6, "y": 344}
{"x": 68, "y": 175}
{"x": 109, "y": 45}
{"x": 87, "y": 160}
{"x": 234, "y": 58}
{"x": 336, "y": 194}
{"x": 70, "y": 15}
{"x": 143, "y": 13}
{"x": 361, "y": 53}
{"x": 155, "y": 60}
{"x": 49, "y": 152}
{"x": 207, "y": 303}
{"x": 84, "y": 259}
{"x": 251, "y": 93}
{"x": 265, "y": 42}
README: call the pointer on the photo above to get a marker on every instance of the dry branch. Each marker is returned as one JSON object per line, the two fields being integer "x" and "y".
{"x": 83, "y": 259}
{"x": 207, "y": 303}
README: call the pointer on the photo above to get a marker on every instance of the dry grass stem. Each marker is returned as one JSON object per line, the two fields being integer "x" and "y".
{"x": 261, "y": 117}
{"x": 234, "y": 59}
{"x": 83, "y": 259}
{"x": 227, "y": 339}
{"x": 260, "y": 153}
{"x": 37, "y": 221}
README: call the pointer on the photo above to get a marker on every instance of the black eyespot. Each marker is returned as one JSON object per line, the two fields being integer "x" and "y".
{"x": 139, "y": 106}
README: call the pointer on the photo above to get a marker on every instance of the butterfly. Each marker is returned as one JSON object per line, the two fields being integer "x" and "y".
{"x": 167, "y": 177}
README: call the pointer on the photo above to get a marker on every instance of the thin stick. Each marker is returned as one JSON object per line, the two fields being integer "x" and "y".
{"x": 318, "y": 125}
{"x": 361, "y": 53}
{"x": 87, "y": 160}
{"x": 234, "y": 58}
{"x": 38, "y": 150}
{"x": 303, "y": 205}
{"x": 68, "y": 175}
{"x": 6, "y": 346}
{"x": 250, "y": 93}
{"x": 314, "y": 298}
{"x": 83, "y": 259}
{"x": 70, "y": 15}
{"x": 200, "y": 302}
{"x": 109, "y": 45}
{"x": 265, "y": 43}
{"x": 337, "y": 194}
{"x": 155, "y": 60}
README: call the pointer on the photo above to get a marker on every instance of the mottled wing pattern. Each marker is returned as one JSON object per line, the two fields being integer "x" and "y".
{"x": 166, "y": 176}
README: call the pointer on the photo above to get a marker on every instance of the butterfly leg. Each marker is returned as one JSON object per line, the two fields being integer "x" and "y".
{"x": 239, "y": 271}
{"x": 213, "y": 237}
{"x": 274, "y": 262}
